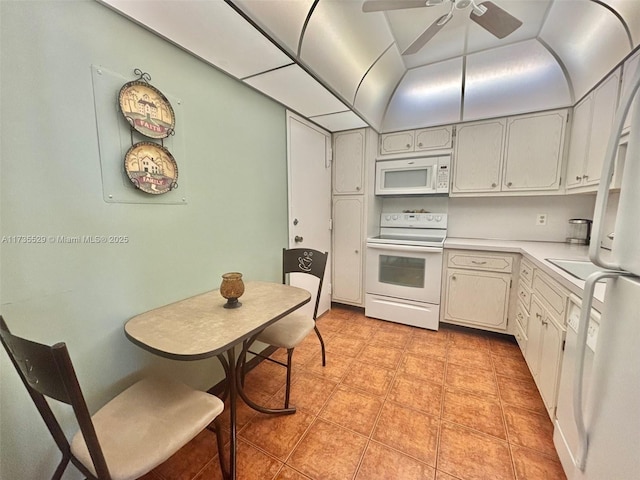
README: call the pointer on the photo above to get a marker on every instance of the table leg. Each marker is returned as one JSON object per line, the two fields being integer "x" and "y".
{"x": 229, "y": 365}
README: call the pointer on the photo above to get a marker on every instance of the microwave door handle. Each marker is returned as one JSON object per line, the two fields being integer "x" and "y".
{"x": 434, "y": 177}
{"x": 602, "y": 197}
{"x": 581, "y": 346}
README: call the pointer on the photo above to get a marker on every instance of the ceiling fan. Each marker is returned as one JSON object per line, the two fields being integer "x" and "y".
{"x": 488, "y": 15}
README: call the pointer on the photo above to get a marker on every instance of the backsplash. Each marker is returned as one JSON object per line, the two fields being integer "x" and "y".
{"x": 505, "y": 218}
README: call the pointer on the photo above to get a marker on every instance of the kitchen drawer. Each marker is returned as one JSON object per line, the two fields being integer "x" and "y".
{"x": 481, "y": 261}
{"x": 551, "y": 293}
{"x": 526, "y": 272}
{"x": 524, "y": 295}
{"x": 522, "y": 317}
{"x": 521, "y": 338}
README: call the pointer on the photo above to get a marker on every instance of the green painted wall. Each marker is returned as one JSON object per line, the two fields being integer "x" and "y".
{"x": 235, "y": 219}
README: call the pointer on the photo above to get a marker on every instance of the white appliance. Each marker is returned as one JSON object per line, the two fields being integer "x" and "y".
{"x": 413, "y": 176}
{"x": 606, "y": 406}
{"x": 404, "y": 268}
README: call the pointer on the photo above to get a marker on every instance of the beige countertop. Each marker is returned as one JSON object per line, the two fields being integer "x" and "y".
{"x": 537, "y": 253}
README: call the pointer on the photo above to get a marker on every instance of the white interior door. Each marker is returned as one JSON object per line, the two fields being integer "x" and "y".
{"x": 309, "y": 180}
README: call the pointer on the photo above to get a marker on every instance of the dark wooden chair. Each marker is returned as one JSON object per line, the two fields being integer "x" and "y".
{"x": 129, "y": 436}
{"x": 291, "y": 330}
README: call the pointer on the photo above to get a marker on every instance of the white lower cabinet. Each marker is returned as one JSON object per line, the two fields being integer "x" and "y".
{"x": 478, "y": 295}
{"x": 545, "y": 337}
{"x": 348, "y": 212}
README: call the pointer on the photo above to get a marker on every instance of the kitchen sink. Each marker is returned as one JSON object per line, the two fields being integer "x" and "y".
{"x": 580, "y": 269}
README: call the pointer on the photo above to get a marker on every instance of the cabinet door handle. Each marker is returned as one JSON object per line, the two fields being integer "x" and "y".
{"x": 538, "y": 315}
{"x": 522, "y": 294}
{"x": 586, "y": 177}
{"x": 578, "y": 178}
{"x": 545, "y": 322}
{"x": 475, "y": 262}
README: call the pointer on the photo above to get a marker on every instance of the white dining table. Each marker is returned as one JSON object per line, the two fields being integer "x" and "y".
{"x": 200, "y": 327}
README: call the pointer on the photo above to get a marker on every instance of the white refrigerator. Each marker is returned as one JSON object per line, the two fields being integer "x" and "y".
{"x": 598, "y": 435}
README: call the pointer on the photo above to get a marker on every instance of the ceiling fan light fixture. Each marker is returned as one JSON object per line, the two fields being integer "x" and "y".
{"x": 479, "y": 10}
{"x": 462, "y": 4}
{"x": 433, "y": 3}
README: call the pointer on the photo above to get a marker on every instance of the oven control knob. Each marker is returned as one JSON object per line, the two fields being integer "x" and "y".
{"x": 429, "y": 217}
{"x": 438, "y": 218}
{"x": 387, "y": 217}
{"x": 395, "y": 217}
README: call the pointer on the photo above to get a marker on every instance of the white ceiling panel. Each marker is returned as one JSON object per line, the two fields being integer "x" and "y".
{"x": 586, "y": 51}
{"x": 282, "y": 19}
{"x": 336, "y": 122}
{"x": 295, "y": 88}
{"x": 377, "y": 87}
{"x": 518, "y": 78}
{"x": 426, "y": 96}
{"x": 341, "y": 43}
{"x": 629, "y": 10}
{"x": 210, "y": 30}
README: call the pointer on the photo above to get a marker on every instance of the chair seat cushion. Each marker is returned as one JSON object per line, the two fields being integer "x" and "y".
{"x": 146, "y": 424}
{"x": 287, "y": 332}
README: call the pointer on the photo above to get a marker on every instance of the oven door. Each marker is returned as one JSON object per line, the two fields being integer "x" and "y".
{"x": 404, "y": 271}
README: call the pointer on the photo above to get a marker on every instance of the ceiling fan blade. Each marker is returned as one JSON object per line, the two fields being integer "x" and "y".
{"x": 380, "y": 5}
{"x": 496, "y": 20}
{"x": 427, "y": 35}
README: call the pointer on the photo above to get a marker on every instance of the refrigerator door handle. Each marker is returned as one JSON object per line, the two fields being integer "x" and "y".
{"x": 581, "y": 346}
{"x": 608, "y": 164}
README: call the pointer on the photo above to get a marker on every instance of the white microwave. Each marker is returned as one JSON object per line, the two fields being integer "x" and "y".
{"x": 413, "y": 176}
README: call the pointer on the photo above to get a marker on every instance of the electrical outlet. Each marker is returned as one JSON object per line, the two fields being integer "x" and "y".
{"x": 541, "y": 219}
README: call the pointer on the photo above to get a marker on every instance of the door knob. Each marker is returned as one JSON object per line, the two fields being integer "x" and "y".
{"x": 297, "y": 239}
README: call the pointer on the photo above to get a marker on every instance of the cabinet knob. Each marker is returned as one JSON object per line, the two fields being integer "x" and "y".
{"x": 509, "y": 184}
{"x": 420, "y": 144}
{"x": 538, "y": 315}
{"x": 408, "y": 145}
{"x": 578, "y": 178}
{"x": 453, "y": 277}
{"x": 586, "y": 177}
{"x": 545, "y": 322}
{"x": 298, "y": 239}
{"x": 494, "y": 185}
{"x": 357, "y": 251}
{"x": 358, "y": 189}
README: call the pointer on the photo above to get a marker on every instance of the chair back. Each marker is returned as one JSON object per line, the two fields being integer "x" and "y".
{"x": 47, "y": 371}
{"x": 305, "y": 260}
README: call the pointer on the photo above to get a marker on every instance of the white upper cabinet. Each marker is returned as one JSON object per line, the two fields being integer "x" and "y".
{"x": 592, "y": 125}
{"x": 423, "y": 140}
{"x": 533, "y": 151}
{"x": 433, "y": 138}
{"x": 512, "y": 155}
{"x": 478, "y": 157}
{"x": 348, "y": 162}
{"x": 630, "y": 67}
{"x": 399, "y": 142}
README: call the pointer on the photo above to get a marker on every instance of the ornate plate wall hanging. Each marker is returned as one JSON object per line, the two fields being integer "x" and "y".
{"x": 146, "y": 109}
{"x": 151, "y": 168}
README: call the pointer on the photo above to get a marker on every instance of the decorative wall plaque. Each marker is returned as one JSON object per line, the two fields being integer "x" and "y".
{"x": 146, "y": 109}
{"x": 151, "y": 168}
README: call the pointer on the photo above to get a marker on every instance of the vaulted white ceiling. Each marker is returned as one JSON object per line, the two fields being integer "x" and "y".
{"x": 343, "y": 68}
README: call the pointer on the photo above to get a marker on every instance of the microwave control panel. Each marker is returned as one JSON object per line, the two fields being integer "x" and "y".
{"x": 442, "y": 175}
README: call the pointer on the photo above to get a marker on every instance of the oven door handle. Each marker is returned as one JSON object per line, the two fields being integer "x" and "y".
{"x": 404, "y": 248}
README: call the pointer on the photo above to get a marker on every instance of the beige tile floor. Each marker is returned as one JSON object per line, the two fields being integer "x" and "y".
{"x": 393, "y": 403}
